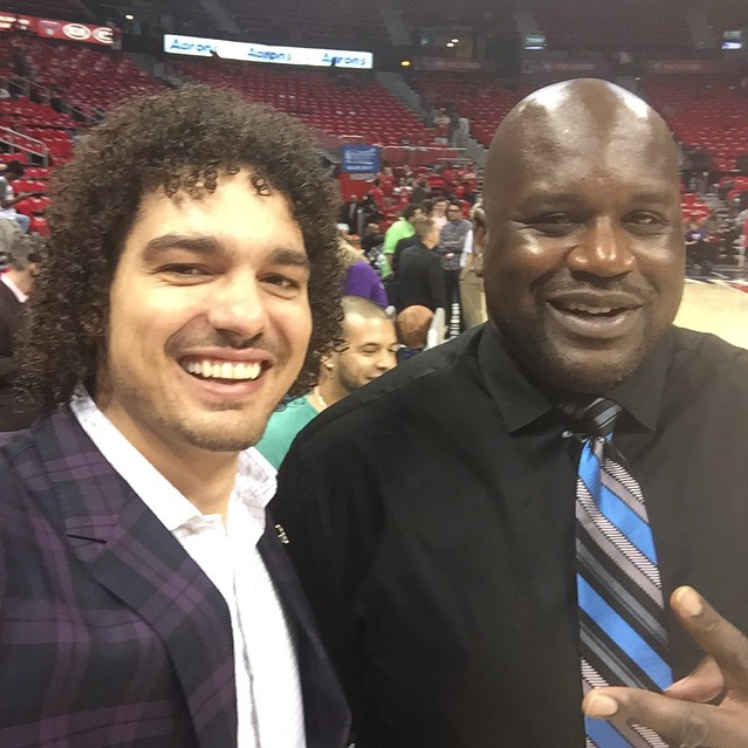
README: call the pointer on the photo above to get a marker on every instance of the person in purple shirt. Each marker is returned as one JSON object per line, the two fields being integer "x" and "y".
{"x": 361, "y": 279}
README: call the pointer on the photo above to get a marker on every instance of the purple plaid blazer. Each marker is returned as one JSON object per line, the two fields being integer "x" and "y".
{"x": 110, "y": 634}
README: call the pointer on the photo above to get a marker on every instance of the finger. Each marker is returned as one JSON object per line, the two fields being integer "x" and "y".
{"x": 679, "y": 722}
{"x": 705, "y": 683}
{"x": 716, "y": 636}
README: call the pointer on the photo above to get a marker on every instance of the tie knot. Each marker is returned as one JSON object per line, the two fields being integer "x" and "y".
{"x": 596, "y": 418}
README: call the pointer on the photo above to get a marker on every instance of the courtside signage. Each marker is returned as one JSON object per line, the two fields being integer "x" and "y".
{"x": 359, "y": 159}
{"x": 176, "y": 44}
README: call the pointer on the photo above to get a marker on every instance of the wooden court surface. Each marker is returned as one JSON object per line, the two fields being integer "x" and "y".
{"x": 717, "y": 308}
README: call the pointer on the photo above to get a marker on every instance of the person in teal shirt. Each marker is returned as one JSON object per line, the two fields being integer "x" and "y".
{"x": 370, "y": 351}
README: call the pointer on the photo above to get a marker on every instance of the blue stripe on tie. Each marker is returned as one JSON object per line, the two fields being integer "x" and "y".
{"x": 604, "y": 734}
{"x": 624, "y": 636}
{"x": 614, "y": 508}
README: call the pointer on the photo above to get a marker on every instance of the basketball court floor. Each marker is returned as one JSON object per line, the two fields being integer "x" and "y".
{"x": 717, "y": 307}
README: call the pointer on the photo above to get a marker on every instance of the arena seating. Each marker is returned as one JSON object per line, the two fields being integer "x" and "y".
{"x": 81, "y": 76}
{"x": 693, "y": 207}
{"x": 706, "y": 114}
{"x": 348, "y": 107}
{"x": 484, "y": 103}
{"x": 34, "y": 180}
{"x": 86, "y": 77}
{"x": 23, "y": 113}
{"x": 688, "y": 105}
{"x": 41, "y": 122}
{"x": 335, "y": 23}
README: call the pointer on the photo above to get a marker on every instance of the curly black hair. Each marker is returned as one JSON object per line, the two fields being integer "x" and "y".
{"x": 179, "y": 140}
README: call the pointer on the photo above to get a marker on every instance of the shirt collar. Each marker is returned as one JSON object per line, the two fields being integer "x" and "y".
{"x": 20, "y": 295}
{"x": 254, "y": 486}
{"x": 522, "y": 402}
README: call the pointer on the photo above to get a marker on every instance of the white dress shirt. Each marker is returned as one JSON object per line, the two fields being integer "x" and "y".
{"x": 269, "y": 703}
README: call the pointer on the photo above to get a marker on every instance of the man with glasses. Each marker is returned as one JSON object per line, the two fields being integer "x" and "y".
{"x": 451, "y": 246}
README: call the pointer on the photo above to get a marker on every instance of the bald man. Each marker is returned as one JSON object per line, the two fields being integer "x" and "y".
{"x": 515, "y": 521}
{"x": 369, "y": 350}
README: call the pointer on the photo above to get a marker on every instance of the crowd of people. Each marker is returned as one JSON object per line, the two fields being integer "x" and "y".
{"x": 513, "y": 539}
{"x": 430, "y": 256}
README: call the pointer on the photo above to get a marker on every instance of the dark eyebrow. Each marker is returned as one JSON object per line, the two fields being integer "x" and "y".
{"x": 206, "y": 245}
{"x": 550, "y": 201}
{"x": 540, "y": 203}
{"x": 294, "y": 257}
{"x": 203, "y": 245}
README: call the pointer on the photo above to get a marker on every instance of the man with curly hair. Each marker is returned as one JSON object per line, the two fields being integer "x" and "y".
{"x": 146, "y": 600}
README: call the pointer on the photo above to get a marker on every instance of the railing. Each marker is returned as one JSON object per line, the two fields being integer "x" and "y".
{"x": 332, "y": 142}
{"x": 40, "y": 93}
{"x": 17, "y": 141}
{"x": 421, "y": 155}
{"x": 413, "y": 155}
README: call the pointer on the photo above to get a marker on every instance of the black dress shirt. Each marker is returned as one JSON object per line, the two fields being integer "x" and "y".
{"x": 420, "y": 279}
{"x": 431, "y": 520}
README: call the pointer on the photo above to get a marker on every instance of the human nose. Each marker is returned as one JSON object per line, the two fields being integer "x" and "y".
{"x": 238, "y": 307}
{"x": 387, "y": 360}
{"x": 603, "y": 251}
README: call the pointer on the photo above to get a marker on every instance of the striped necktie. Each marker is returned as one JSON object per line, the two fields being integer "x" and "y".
{"x": 621, "y": 613}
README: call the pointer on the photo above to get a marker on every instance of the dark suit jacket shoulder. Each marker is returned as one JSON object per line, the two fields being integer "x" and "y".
{"x": 110, "y": 634}
{"x": 14, "y": 414}
{"x": 10, "y": 317}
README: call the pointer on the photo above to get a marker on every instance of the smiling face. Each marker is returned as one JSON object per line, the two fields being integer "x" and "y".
{"x": 371, "y": 350}
{"x": 209, "y": 318}
{"x": 585, "y": 252}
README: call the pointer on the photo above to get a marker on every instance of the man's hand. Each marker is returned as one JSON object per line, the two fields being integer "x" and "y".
{"x": 683, "y": 715}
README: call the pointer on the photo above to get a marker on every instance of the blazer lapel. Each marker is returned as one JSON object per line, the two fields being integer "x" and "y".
{"x": 130, "y": 553}
{"x": 326, "y": 713}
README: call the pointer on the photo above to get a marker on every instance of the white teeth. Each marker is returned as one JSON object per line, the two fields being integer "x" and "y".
{"x": 224, "y": 370}
{"x": 589, "y": 309}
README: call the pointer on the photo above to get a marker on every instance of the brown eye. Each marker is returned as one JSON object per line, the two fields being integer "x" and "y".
{"x": 182, "y": 270}
{"x": 555, "y": 224}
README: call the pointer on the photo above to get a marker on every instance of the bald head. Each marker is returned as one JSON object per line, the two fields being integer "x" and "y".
{"x": 584, "y": 257}
{"x": 571, "y": 119}
{"x": 369, "y": 351}
{"x": 358, "y": 306}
